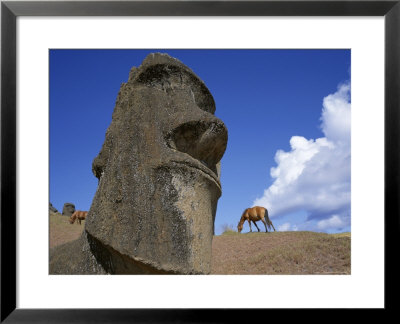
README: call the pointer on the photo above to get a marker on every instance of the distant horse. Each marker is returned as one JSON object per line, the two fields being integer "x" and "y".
{"x": 255, "y": 214}
{"x": 78, "y": 215}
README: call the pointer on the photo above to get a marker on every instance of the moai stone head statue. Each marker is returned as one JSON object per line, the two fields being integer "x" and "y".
{"x": 68, "y": 209}
{"x": 158, "y": 173}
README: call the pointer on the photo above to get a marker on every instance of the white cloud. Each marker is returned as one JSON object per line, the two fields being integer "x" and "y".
{"x": 336, "y": 115}
{"x": 315, "y": 174}
{"x": 284, "y": 227}
{"x": 334, "y": 222}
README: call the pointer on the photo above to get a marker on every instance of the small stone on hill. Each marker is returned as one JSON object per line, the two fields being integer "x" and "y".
{"x": 52, "y": 208}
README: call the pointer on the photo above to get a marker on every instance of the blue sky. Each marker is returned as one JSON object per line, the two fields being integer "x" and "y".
{"x": 288, "y": 110}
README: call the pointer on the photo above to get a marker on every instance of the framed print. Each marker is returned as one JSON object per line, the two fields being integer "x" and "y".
{"x": 64, "y": 54}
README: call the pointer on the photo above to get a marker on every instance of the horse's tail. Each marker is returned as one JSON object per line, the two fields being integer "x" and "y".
{"x": 267, "y": 220}
{"x": 266, "y": 215}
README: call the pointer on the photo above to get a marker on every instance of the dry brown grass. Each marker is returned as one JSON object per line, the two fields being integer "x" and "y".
{"x": 255, "y": 253}
{"x": 61, "y": 231}
{"x": 281, "y": 253}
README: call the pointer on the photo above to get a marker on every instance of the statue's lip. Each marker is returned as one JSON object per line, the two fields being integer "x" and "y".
{"x": 196, "y": 164}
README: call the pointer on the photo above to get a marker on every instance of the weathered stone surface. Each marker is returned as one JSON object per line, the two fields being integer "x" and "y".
{"x": 52, "y": 208}
{"x": 68, "y": 209}
{"x": 158, "y": 173}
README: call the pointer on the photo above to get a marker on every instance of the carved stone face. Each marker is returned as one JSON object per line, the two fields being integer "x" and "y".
{"x": 158, "y": 172}
{"x": 68, "y": 209}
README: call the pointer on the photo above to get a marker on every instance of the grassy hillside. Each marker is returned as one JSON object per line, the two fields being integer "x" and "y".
{"x": 281, "y": 253}
{"x": 255, "y": 253}
{"x": 61, "y": 231}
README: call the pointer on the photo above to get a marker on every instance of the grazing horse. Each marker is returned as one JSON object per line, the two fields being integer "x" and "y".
{"x": 255, "y": 214}
{"x": 78, "y": 215}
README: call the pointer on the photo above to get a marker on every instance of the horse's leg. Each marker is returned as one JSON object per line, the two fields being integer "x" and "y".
{"x": 265, "y": 224}
{"x": 256, "y": 225}
{"x": 272, "y": 226}
{"x": 250, "y": 225}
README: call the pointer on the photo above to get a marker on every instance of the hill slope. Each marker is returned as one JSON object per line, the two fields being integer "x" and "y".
{"x": 281, "y": 253}
{"x": 61, "y": 231}
{"x": 255, "y": 253}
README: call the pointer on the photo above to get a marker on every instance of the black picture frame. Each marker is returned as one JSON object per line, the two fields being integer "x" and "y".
{"x": 10, "y": 10}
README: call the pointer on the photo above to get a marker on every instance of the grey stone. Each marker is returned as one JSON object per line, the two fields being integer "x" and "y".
{"x": 159, "y": 178}
{"x": 52, "y": 208}
{"x": 68, "y": 209}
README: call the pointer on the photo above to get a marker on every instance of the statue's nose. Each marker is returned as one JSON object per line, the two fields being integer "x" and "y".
{"x": 204, "y": 140}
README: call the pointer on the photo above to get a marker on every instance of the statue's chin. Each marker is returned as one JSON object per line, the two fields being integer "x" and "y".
{"x": 189, "y": 207}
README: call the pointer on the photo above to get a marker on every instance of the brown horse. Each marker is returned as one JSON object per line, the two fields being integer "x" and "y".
{"x": 78, "y": 215}
{"x": 255, "y": 214}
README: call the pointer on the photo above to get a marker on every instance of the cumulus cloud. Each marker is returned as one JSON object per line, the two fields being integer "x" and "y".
{"x": 336, "y": 115}
{"x": 314, "y": 176}
{"x": 335, "y": 222}
{"x": 284, "y": 227}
